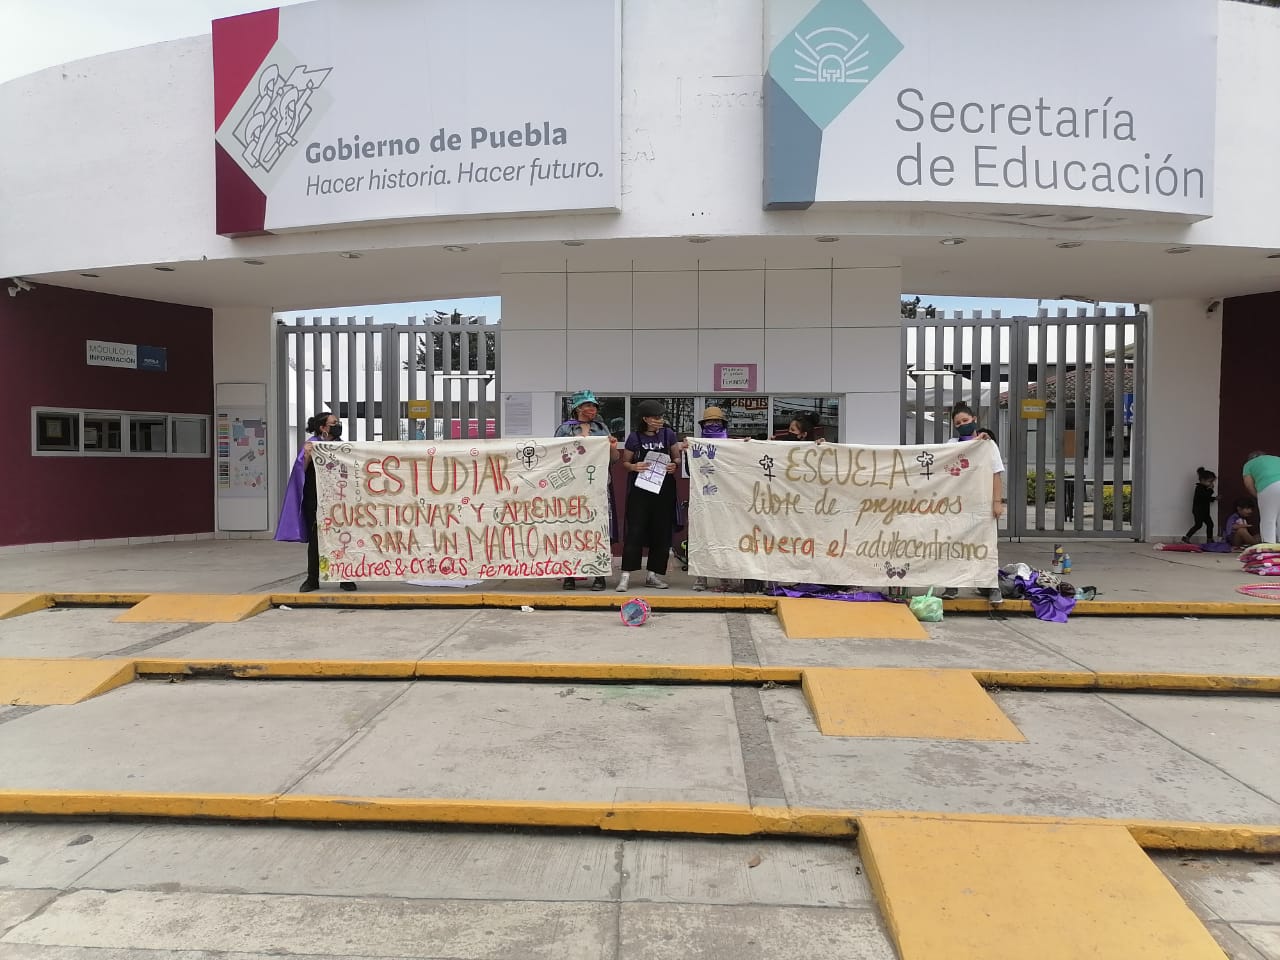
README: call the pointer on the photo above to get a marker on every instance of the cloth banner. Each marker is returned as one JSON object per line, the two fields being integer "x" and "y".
{"x": 911, "y": 516}
{"x": 455, "y": 509}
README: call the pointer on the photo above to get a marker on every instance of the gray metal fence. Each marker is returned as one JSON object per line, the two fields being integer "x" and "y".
{"x": 1063, "y": 395}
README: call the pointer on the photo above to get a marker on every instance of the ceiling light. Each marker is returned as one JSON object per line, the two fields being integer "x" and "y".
{"x": 456, "y": 248}
{"x": 952, "y": 241}
{"x": 254, "y": 263}
{"x": 699, "y": 239}
{"x": 1070, "y": 244}
{"x": 1178, "y": 249}
{"x": 165, "y": 269}
{"x": 827, "y": 239}
{"x": 91, "y": 276}
{"x": 349, "y": 255}
{"x": 574, "y": 243}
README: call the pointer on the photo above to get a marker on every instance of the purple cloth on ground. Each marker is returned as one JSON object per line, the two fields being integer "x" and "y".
{"x": 1216, "y": 546}
{"x": 290, "y": 528}
{"x": 818, "y": 592}
{"x": 1047, "y": 602}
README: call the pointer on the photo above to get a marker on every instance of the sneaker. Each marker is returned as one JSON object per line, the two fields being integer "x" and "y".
{"x": 348, "y": 586}
{"x": 597, "y": 584}
{"x": 570, "y": 583}
{"x": 624, "y": 582}
{"x": 700, "y": 584}
{"x": 950, "y": 593}
{"x": 993, "y": 595}
{"x": 308, "y": 587}
{"x": 1186, "y": 539}
{"x": 653, "y": 580}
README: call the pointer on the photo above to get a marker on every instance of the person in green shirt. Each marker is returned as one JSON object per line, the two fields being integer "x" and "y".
{"x": 1262, "y": 480}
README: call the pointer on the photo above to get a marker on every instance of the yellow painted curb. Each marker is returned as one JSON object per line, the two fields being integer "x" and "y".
{"x": 16, "y": 604}
{"x": 196, "y": 608}
{"x": 365, "y": 599}
{"x": 1129, "y": 682}
{"x": 279, "y": 669}
{"x": 908, "y": 704}
{"x": 97, "y": 599}
{"x": 642, "y": 817}
{"x": 37, "y": 682}
{"x": 970, "y": 890}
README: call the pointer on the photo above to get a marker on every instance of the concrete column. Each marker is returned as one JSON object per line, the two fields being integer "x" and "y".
{"x": 244, "y": 352}
{"x": 1181, "y": 413}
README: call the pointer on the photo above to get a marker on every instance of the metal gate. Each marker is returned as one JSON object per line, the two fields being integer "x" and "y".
{"x": 430, "y": 379}
{"x": 1063, "y": 395}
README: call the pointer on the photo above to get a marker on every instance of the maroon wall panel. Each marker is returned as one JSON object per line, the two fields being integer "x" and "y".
{"x": 1250, "y": 344}
{"x": 42, "y": 364}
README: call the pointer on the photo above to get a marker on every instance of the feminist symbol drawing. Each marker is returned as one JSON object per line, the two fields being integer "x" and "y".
{"x": 766, "y": 464}
{"x": 926, "y": 463}
{"x": 591, "y": 473}
{"x": 530, "y": 454}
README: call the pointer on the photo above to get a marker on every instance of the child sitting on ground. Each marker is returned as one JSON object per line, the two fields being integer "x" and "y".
{"x": 1241, "y": 530}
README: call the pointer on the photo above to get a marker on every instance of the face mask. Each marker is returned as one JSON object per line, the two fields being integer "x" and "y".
{"x": 335, "y": 432}
{"x": 714, "y": 430}
{"x": 966, "y": 430}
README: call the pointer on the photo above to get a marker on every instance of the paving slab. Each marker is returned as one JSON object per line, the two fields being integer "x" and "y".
{"x": 964, "y": 642}
{"x": 415, "y": 864}
{"x": 588, "y": 637}
{"x": 1082, "y": 758}
{"x": 1238, "y": 735}
{"x": 546, "y": 741}
{"x": 18, "y": 905}
{"x": 1161, "y": 644}
{"x": 1232, "y": 889}
{"x": 1234, "y": 944}
{"x": 683, "y": 931}
{"x": 74, "y": 632}
{"x": 216, "y": 736}
{"x": 56, "y": 854}
{"x": 357, "y": 926}
{"x": 730, "y": 872}
{"x": 321, "y": 634}
{"x": 31, "y": 951}
{"x": 1265, "y": 939}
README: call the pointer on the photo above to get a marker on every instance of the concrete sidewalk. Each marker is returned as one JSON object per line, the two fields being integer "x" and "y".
{"x": 1121, "y": 570}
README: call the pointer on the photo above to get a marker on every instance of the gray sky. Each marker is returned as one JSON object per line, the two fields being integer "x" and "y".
{"x": 35, "y": 34}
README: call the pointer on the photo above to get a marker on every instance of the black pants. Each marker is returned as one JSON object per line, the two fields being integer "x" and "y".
{"x": 650, "y": 520}
{"x": 1202, "y": 520}
{"x": 313, "y": 553}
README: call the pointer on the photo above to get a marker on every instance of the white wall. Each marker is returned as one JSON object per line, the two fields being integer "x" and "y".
{"x": 243, "y": 352}
{"x": 1181, "y": 410}
{"x": 810, "y": 330}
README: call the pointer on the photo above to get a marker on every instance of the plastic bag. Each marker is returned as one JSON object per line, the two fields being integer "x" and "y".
{"x": 926, "y": 608}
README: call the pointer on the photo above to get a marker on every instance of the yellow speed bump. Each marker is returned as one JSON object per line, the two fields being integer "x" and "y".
{"x": 48, "y": 682}
{"x": 806, "y": 619}
{"x": 918, "y": 704}
{"x": 196, "y": 608}
{"x": 1008, "y": 891}
{"x": 16, "y": 604}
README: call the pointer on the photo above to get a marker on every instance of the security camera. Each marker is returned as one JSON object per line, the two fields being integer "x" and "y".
{"x": 19, "y": 285}
{"x": 1213, "y": 306}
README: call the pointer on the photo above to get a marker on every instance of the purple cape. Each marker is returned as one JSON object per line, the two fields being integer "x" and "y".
{"x": 291, "y": 528}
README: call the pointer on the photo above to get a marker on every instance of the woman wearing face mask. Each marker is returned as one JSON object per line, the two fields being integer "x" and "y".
{"x": 584, "y": 421}
{"x": 298, "y": 512}
{"x": 650, "y": 516}
{"x": 964, "y": 427}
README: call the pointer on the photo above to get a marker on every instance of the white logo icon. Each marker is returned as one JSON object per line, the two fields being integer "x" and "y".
{"x": 270, "y": 126}
{"x": 830, "y": 55}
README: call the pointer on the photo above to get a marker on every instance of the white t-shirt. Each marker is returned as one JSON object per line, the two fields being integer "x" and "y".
{"x": 997, "y": 461}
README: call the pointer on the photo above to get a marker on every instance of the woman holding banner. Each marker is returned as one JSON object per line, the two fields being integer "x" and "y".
{"x": 584, "y": 421}
{"x": 651, "y": 454}
{"x": 297, "y": 523}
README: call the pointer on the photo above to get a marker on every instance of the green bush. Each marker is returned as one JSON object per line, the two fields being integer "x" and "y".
{"x": 1109, "y": 502}
{"x": 1050, "y": 488}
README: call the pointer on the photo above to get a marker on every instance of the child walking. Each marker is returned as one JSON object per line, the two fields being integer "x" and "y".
{"x": 1202, "y": 500}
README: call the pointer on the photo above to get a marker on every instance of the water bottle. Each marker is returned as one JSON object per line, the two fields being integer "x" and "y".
{"x": 1059, "y": 555}
{"x": 1066, "y": 563}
